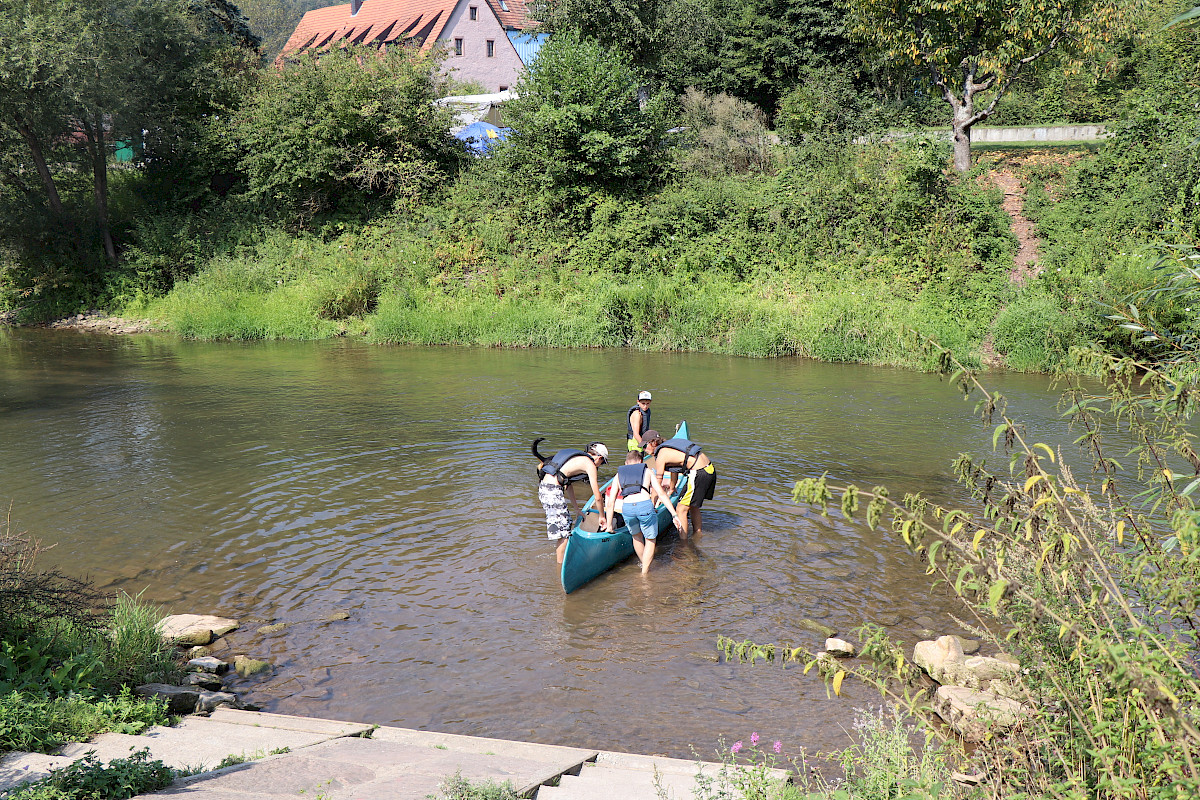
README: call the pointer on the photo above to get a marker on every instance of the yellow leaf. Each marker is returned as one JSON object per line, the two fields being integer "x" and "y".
{"x": 956, "y": 529}
{"x": 1121, "y": 532}
{"x": 1032, "y": 480}
{"x": 837, "y": 682}
{"x": 1042, "y": 502}
{"x": 978, "y": 538}
{"x": 1049, "y": 452}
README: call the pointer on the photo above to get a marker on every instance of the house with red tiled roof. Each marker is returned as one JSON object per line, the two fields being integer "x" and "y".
{"x": 484, "y": 40}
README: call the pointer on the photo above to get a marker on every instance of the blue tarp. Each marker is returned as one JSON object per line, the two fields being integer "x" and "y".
{"x": 480, "y": 137}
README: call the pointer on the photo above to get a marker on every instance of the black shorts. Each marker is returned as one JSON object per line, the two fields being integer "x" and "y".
{"x": 701, "y": 484}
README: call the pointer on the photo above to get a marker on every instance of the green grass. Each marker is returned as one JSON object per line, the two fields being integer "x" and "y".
{"x": 39, "y": 724}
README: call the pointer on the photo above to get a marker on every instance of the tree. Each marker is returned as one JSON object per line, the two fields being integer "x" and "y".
{"x": 751, "y": 49}
{"x": 343, "y": 127}
{"x": 100, "y": 71}
{"x": 975, "y": 50}
{"x": 578, "y": 123}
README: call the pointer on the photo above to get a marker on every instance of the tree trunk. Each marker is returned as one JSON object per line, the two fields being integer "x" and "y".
{"x": 962, "y": 145}
{"x": 962, "y": 119}
{"x": 39, "y": 161}
{"x": 99, "y": 158}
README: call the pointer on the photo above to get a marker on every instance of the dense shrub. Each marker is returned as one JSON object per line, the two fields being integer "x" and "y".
{"x": 88, "y": 779}
{"x": 39, "y": 724}
{"x": 581, "y": 122}
{"x": 335, "y": 131}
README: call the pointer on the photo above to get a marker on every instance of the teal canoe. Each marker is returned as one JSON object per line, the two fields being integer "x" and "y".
{"x": 591, "y": 552}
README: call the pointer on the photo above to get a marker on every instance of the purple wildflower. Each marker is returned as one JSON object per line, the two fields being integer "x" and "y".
{"x": 753, "y": 739}
{"x": 737, "y": 746}
{"x": 778, "y": 746}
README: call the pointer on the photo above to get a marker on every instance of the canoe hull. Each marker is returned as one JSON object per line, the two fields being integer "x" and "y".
{"x": 591, "y": 553}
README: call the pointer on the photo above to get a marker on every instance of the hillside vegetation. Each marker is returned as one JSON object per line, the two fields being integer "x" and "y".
{"x": 756, "y": 213}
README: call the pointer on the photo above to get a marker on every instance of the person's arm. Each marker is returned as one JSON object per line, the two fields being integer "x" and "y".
{"x": 609, "y": 508}
{"x": 635, "y": 423}
{"x": 596, "y": 493}
{"x": 666, "y": 499}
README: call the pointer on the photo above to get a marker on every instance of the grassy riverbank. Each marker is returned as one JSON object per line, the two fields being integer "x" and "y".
{"x": 829, "y": 259}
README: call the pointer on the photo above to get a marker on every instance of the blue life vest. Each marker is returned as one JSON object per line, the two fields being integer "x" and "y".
{"x": 689, "y": 449}
{"x": 556, "y": 463}
{"x": 631, "y": 478}
{"x": 629, "y": 434}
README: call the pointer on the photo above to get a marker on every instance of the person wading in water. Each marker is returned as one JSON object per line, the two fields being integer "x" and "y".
{"x": 564, "y": 469}
{"x": 637, "y": 422}
{"x": 636, "y": 487}
{"x": 681, "y": 455}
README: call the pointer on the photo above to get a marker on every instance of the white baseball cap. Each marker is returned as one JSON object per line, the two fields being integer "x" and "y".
{"x": 598, "y": 449}
{"x": 644, "y": 396}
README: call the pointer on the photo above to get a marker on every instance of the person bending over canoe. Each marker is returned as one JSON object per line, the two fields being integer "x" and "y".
{"x": 635, "y": 484}
{"x": 564, "y": 469}
{"x": 637, "y": 422}
{"x": 675, "y": 456}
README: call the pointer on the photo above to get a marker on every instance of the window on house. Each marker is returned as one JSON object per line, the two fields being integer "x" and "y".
{"x": 474, "y": 12}
{"x": 503, "y": 5}
{"x": 458, "y": 47}
{"x": 504, "y": 88}
{"x": 491, "y": 49}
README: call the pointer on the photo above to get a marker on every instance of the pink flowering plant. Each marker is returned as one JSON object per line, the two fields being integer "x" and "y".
{"x": 757, "y": 771}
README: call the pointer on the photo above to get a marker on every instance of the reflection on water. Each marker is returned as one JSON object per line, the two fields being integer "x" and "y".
{"x": 284, "y": 482}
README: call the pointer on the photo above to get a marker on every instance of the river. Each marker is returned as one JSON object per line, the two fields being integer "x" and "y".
{"x": 283, "y": 482}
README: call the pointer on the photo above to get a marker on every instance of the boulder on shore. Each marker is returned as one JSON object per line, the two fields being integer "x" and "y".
{"x": 945, "y": 662}
{"x": 974, "y": 715}
{"x": 180, "y": 699}
{"x": 194, "y": 629}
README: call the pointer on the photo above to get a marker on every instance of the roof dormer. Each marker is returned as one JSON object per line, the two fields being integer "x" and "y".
{"x": 355, "y": 5}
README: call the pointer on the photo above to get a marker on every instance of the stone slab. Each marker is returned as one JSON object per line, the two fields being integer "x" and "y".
{"x": 364, "y": 769}
{"x": 196, "y": 743}
{"x": 17, "y": 768}
{"x": 478, "y": 744}
{"x": 259, "y": 719}
{"x": 679, "y": 766}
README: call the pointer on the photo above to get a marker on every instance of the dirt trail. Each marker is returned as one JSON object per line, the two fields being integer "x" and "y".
{"x": 1025, "y": 263}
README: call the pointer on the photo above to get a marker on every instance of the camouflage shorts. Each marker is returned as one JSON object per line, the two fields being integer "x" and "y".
{"x": 558, "y": 522}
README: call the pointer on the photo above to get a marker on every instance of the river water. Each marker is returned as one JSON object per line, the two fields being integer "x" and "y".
{"x": 284, "y": 482}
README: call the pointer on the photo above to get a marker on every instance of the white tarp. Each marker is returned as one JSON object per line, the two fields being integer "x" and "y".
{"x": 470, "y": 108}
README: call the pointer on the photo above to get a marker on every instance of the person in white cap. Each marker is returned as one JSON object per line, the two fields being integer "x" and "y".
{"x": 637, "y": 422}
{"x": 562, "y": 471}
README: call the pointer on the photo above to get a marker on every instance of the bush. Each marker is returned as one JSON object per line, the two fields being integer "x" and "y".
{"x": 722, "y": 135}
{"x": 1035, "y": 333}
{"x": 339, "y": 130}
{"x": 88, "y": 779}
{"x": 1093, "y": 587}
{"x": 40, "y": 724}
{"x": 579, "y": 124}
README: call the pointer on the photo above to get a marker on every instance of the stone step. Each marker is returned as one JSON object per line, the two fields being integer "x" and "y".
{"x": 259, "y": 719}
{"x": 606, "y": 783}
{"x": 550, "y": 753}
{"x": 17, "y": 768}
{"x": 373, "y": 769}
{"x": 197, "y": 743}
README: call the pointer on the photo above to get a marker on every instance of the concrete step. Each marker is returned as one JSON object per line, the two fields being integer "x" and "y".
{"x": 550, "y": 753}
{"x": 597, "y": 782}
{"x": 17, "y": 768}
{"x": 197, "y": 743}
{"x": 259, "y": 719}
{"x": 374, "y": 769}
{"x": 636, "y": 777}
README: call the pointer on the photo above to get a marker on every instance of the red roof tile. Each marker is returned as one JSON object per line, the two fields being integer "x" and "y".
{"x": 517, "y": 15}
{"x": 377, "y": 22}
